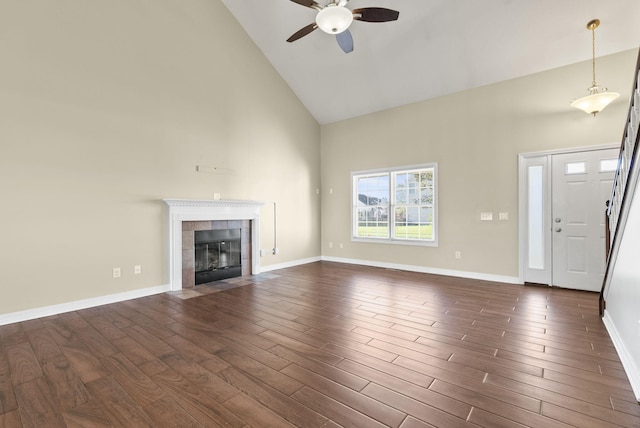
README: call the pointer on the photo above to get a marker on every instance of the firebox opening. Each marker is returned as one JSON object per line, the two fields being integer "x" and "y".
{"x": 218, "y": 255}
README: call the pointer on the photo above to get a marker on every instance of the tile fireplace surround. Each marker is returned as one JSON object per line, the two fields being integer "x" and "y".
{"x": 196, "y": 210}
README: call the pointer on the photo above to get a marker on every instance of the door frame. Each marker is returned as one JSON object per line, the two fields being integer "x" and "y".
{"x": 523, "y": 241}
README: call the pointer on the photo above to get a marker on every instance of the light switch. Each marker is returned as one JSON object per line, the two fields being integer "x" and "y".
{"x": 503, "y": 216}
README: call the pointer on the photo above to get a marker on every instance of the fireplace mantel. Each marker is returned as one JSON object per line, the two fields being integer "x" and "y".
{"x": 180, "y": 210}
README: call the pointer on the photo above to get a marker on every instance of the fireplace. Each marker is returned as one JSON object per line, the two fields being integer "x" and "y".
{"x": 217, "y": 254}
{"x": 184, "y": 216}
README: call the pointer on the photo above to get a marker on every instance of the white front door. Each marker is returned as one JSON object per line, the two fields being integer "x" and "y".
{"x": 563, "y": 199}
{"x": 581, "y": 184}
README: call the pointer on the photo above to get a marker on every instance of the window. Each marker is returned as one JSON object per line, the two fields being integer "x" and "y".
{"x": 608, "y": 165}
{"x": 395, "y": 205}
{"x": 575, "y": 168}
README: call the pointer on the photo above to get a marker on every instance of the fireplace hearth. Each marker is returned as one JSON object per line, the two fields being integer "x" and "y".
{"x": 218, "y": 255}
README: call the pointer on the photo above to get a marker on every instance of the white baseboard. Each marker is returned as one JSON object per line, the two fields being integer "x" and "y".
{"x": 119, "y": 297}
{"x": 289, "y": 264}
{"x": 46, "y": 311}
{"x": 424, "y": 269}
{"x": 629, "y": 365}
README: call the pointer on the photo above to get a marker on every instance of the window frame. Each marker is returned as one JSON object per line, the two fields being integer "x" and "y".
{"x": 392, "y": 174}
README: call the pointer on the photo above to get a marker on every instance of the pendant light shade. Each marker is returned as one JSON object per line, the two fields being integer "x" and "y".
{"x": 596, "y": 102}
{"x": 599, "y": 97}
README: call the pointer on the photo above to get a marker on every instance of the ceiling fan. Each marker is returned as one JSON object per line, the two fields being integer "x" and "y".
{"x": 335, "y": 18}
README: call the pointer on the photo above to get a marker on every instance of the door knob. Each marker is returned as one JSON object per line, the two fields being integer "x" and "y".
{"x": 557, "y": 219}
{"x": 558, "y": 229}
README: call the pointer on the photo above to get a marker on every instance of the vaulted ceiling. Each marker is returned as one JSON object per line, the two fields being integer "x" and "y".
{"x": 436, "y": 47}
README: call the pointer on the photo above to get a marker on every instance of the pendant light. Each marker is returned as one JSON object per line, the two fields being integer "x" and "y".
{"x": 598, "y": 97}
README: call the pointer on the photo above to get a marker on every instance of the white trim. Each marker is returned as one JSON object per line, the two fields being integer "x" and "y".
{"x": 543, "y": 276}
{"x": 46, "y": 311}
{"x": 30, "y": 314}
{"x": 630, "y": 367}
{"x": 391, "y": 173}
{"x": 570, "y": 150}
{"x": 180, "y": 210}
{"x": 396, "y": 241}
{"x": 290, "y": 264}
{"x": 424, "y": 269}
{"x": 522, "y": 193}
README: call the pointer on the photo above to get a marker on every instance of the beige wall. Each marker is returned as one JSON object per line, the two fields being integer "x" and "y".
{"x": 106, "y": 107}
{"x": 475, "y": 136}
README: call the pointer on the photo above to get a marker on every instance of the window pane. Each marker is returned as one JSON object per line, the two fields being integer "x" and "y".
{"x": 413, "y": 215}
{"x": 536, "y": 218}
{"x": 608, "y": 165}
{"x": 401, "y": 196}
{"x": 576, "y": 167}
{"x": 414, "y": 231}
{"x": 401, "y": 215}
{"x": 372, "y": 206}
{"x": 372, "y": 214}
{"x": 373, "y": 190}
{"x": 427, "y": 178}
{"x": 414, "y": 204}
{"x": 373, "y": 222}
{"x": 426, "y": 196}
{"x": 402, "y": 188}
{"x": 414, "y": 196}
{"x": 426, "y": 214}
{"x": 401, "y": 180}
{"x": 380, "y": 230}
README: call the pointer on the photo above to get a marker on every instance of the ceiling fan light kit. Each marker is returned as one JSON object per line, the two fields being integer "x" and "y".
{"x": 599, "y": 97}
{"x": 335, "y": 18}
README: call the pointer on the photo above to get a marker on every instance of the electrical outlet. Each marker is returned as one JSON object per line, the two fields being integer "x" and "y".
{"x": 137, "y": 270}
{"x": 262, "y": 253}
{"x": 116, "y": 272}
{"x": 341, "y": 246}
{"x": 486, "y": 216}
{"x": 330, "y": 244}
{"x": 458, "y": 255}
{"x": 276, "y": 251}
{"x": 503, "y": 216}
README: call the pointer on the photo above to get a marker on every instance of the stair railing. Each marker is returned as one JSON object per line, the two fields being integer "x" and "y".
{"x": 618, "y": 204}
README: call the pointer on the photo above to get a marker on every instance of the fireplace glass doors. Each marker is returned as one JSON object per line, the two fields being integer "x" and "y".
{"x": 218, "y": 255}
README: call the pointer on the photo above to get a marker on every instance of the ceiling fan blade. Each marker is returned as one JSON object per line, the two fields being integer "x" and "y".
{"x": 302, "y": 32}
{"x": 308, "y": 3}
{"x": 375, "y": 14}
{"x": 345, "y": 40}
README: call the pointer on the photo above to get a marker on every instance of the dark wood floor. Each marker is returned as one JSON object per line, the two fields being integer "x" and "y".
{"x": 321, "y": 345}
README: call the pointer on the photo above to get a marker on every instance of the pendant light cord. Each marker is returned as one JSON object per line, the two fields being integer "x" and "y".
{"x": 593, "y": 54}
